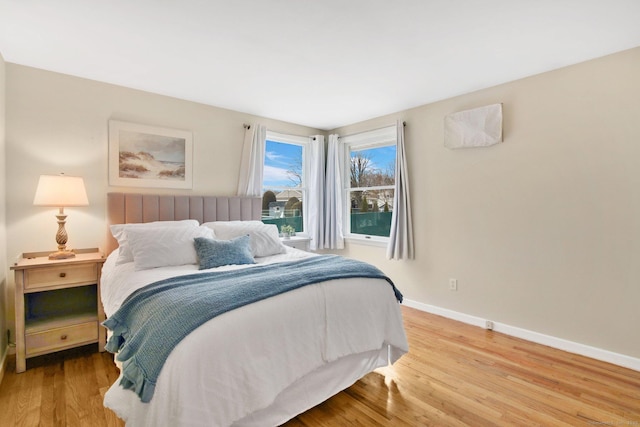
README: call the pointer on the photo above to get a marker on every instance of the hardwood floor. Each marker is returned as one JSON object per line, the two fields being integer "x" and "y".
{"x": 60, "y": 389}
{"x": 454, "y": 375}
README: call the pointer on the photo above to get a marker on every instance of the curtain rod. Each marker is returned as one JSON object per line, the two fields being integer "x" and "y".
{"x": 404, "y": 124}
{"x": 248, "y": 126}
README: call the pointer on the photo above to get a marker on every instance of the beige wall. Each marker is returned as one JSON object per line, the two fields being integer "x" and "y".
{"x": 3, "y": 231}
{"x": 541, "y": 231}
{"x": 58, "y": 123}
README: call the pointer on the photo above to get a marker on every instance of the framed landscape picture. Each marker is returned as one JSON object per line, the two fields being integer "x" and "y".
{"x": 149, "y": 156}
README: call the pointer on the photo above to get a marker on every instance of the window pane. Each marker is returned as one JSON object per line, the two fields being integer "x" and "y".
{"x": 371, "y": 209}
{"x": 282, "y": 165}
{"x": 371, "y": 212}
{"x": 373, "y": 167}
{"x": 283, "y": 181}
{"x": 283, "y": 208}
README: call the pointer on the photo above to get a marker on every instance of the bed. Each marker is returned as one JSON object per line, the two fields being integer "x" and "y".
{"x": 259, "y": 364}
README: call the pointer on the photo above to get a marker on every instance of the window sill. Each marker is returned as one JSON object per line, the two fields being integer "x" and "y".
{"x": 380, "y": 242}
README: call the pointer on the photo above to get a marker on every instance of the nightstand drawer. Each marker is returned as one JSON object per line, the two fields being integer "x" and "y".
{"x": 61, "y": 338}
{"x": 60, "y": 275}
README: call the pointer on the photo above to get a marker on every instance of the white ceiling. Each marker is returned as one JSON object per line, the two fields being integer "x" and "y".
{"x": 323, "y": 63}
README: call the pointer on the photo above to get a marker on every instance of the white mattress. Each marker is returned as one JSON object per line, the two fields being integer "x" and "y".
{"x": 264, "y": 363}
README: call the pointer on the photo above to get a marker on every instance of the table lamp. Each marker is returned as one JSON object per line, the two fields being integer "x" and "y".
{"x": 60, "y": 191}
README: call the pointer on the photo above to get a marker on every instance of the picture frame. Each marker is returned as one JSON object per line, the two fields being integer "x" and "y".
{"x": 149, "y": 156}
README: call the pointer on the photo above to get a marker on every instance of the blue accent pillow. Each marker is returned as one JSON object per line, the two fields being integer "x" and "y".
{"x": 215, "y": 253}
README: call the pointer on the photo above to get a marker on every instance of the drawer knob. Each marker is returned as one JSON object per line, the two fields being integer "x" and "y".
{"x": 63, "y": 337}
{"x": 63, "y": 274}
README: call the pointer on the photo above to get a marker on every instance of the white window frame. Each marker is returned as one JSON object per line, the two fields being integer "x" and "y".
{"x": 304, "y": 142}
{"x": 383, "y": 137}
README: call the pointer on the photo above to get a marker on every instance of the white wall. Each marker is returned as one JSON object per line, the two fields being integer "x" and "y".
{"x": 541, "y": 231}
{"x": 58, "y": 123}
{"x": 3, "y": 230}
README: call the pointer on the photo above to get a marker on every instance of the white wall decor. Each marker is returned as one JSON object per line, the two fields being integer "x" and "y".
{"x": 479, "y": 127}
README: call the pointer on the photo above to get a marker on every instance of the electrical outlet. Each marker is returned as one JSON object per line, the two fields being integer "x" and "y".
{"x": 488, "y": 325}
{"x": 453, "y": 284}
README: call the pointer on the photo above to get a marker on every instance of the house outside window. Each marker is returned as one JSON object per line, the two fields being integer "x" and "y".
{"x": 370, "y": 184}
{"x": 284, "y": 181}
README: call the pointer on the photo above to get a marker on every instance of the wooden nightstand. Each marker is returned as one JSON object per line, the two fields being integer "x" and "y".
{"x": 298, "y": 242}
{"x": 57, "y": 303}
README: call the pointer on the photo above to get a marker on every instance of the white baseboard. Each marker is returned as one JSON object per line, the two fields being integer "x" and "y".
{"x": 559, "y": 343}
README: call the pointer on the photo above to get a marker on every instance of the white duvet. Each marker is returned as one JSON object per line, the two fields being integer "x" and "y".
{"x": 263, "y": 363}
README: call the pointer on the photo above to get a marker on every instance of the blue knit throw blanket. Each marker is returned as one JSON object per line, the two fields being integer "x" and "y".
{"x": 155, "y": 318}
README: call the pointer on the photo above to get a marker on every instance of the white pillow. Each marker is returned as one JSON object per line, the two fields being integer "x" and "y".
{"x": 119, "y": 232}
{"x": 162, "y": 247}
{"x": 265, "y": 239}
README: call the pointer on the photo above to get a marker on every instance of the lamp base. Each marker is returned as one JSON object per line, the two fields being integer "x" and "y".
{"x": 62, "y": 255}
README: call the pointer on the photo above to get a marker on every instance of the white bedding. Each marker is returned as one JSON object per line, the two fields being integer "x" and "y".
{"x": 264, "y": 363}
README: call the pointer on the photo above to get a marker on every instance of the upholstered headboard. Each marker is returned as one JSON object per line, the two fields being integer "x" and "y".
{"x": 123, "y": 208}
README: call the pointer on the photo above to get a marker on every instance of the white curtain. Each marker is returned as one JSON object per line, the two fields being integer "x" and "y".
{"x": 314, "y": 204}
{"x": 334, "y": 198}
{"x": 401, "y": 236}
{"x": 252, "y": 163}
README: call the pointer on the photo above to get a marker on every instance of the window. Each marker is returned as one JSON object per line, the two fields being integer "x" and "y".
{"x": 284, "y": 187}
{"x": 371, "y": 160}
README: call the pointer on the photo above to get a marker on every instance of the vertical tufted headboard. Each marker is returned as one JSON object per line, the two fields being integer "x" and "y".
{"x": 123, "y": 208}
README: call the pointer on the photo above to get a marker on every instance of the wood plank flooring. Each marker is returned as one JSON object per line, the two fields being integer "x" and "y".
{"x": 454, "y": 375}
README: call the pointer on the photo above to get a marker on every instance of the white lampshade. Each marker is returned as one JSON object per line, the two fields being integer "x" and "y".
{"x": 60, "y": 191}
